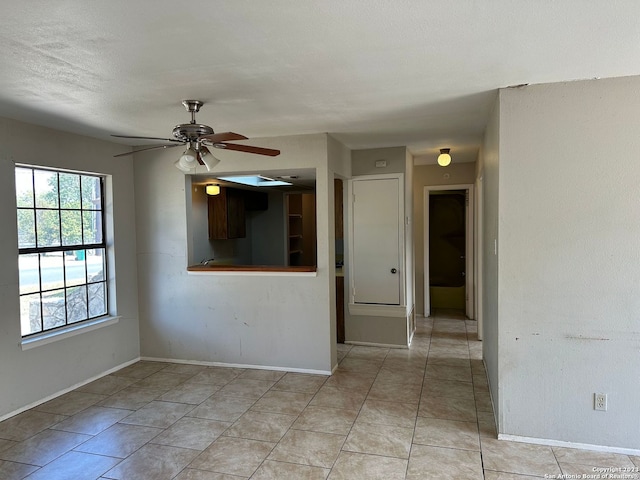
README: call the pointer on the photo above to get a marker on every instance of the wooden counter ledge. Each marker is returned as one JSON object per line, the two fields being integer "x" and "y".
{"x": 248, "y": 268}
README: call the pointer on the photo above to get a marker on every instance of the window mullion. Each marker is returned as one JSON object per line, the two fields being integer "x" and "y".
{"x": 40, "y": 293}
{"x": 35, "y": 211}
{"x": 35, "y": 229}
{"x": 70, "y": 295}
{"x": 64, "y": 267}
{"x": 24, "y": 251}
{"x": 105, "y": 266}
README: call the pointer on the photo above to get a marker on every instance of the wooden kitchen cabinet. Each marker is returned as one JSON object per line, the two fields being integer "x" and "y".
{"x": 227, "y": 214}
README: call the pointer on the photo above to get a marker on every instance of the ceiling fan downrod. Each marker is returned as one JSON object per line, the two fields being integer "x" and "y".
{"x": 192, "y": 106}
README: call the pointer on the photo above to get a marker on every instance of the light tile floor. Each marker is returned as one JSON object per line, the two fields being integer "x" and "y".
{"x": 385, "y": 414}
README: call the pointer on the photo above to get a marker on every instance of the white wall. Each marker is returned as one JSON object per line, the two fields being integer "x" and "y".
{"x": 569, "y": 263}
{"x": 489, "y": 169}
{"x": 339, "y": 162}
{"x": 339, "y": 158}
{"x": 31, "y": 375}
{"x": 409, "y": 221}
{"x": 271, "y": 321}
{"x": 200, "y": 246}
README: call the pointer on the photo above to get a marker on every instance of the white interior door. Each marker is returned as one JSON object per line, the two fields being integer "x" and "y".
{"x": 376, "y": 241}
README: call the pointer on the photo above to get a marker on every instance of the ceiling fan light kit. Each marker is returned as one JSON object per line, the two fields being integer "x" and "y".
{"x": 197, "y": 138}
{"x": 186, "y": 165}
{"x": 207, "y": 158}
{"x": 189, "y": 155}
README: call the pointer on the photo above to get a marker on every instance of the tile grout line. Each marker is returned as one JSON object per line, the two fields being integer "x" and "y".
{"x": 475, "y": 403}
{"x": 237, "y": 420}
{"x": 359, "y": 410}
{"x": 424, "y": 379}
{"x": 288, "y": 429}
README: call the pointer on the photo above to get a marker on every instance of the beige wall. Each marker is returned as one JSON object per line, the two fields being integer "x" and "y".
{"x": 379, "y": 329}
{"x": 432, "y": 175}
{"x": 271, "y": 321}
{"x": 488, "y": 174}
{"x": 28, "y": 376}
{"x": 569, "y": 261}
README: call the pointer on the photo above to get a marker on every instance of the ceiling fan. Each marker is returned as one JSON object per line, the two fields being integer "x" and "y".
{"x": 198, "y": 138}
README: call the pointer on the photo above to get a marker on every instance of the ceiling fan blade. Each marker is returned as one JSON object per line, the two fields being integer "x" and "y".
{"x": 199, "y": 158}
{"x": 143, "y": 149}
{"x": 222, "y": 137}
{"x": 248, "y": 149}
{"x": 149, "y": 138}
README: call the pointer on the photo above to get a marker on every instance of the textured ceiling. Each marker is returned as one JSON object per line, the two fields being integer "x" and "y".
{"x": 373, "y": 73}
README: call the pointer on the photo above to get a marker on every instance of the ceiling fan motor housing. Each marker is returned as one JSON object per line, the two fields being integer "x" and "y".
{"x": 189, "y": 132}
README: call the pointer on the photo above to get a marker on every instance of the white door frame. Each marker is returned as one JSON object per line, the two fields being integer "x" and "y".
{"x": 479, "y": 253}
{"x": 469, "y": 253}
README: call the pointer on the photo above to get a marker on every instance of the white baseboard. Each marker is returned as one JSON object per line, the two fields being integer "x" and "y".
{"x": 67, "y": 390}
{"x": 238, "y": 365}
{"x": 560, "y": 443}
{"x": 371, "y": 344}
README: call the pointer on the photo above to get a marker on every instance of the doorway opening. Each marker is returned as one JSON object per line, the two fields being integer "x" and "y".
{"x": 447, "y": 235}
{"x": 448, "y": 255}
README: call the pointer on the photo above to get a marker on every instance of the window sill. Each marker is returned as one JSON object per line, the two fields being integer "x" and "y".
{"x": 69, "y": 331}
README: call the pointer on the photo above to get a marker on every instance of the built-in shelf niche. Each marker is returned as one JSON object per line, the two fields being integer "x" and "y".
{"x": 301, "y": 229}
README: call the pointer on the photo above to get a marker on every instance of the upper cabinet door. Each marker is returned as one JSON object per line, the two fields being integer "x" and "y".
{"x": 377, "y": 248}
{"x": 227, "y": 214}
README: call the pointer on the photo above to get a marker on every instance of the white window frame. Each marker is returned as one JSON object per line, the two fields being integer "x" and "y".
{"x": 48, "y": 335}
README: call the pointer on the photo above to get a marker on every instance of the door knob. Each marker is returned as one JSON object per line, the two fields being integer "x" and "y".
{"x": 394, "y": 270}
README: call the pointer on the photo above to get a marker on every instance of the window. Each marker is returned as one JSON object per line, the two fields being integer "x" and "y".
{"x": 62, "y": 250}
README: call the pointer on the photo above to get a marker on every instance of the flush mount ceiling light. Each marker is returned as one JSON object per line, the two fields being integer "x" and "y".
{"x": 444, "y": 158}
{"x": 212, "y": 189}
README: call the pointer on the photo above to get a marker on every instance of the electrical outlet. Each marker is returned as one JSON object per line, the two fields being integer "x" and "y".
{"x": 600, "y": 401}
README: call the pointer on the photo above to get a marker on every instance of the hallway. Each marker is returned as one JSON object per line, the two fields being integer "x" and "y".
{"x": 385, "y": 414}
